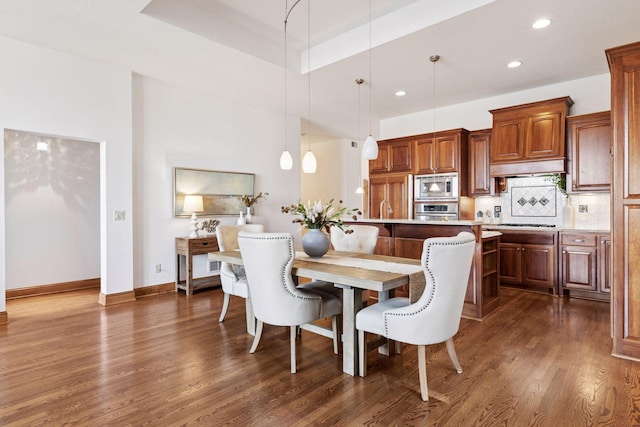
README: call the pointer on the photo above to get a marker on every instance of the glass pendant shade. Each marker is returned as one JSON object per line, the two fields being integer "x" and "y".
{"x": 286, "y": 161}
{"x": 309, "y": 162}
{"x": 370, "y": 150}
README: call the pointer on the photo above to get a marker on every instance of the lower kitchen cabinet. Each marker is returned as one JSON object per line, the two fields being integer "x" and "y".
{"x": 528, "y": 260}
{"x": 584, "y": 265}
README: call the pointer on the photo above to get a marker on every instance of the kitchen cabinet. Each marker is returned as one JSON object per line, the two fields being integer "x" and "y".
{"x": 582, "y": 257}
{"x": 528, "y": 260}
{"x": 624, "y": 65}
{"x": 480, "y": 182}
{"x": 443, "y": 153}
{"x": 394, "y": 155}
{"x": 589, "y": 152}
{"x": 389, "y": 194}
{"x": 529, "y": 138}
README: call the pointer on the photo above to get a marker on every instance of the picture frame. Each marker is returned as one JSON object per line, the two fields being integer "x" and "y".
{"x": 221, "y": 191}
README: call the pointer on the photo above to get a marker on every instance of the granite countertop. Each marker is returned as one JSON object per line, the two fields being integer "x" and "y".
{"x": 416, "y": 222}
{"x": 542, "y": 229}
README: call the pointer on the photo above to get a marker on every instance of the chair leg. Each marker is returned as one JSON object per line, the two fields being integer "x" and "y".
{"x": 422, "y": 372}
{"x": 453, "y": 356}
{"x": 294, "y": 332}
{"x": 334, "y": 327}
{"x": 256, "y": 338}
{"x": 362, "y": 353}
{"x": 225, "y": 306}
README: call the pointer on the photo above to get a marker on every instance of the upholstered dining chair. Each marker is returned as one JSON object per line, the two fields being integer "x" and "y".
{"x": 362, "y": 240}
{"x": 435, "y": 316}
{"x": 268, "y": 259}
{"x": 232, "y": 277}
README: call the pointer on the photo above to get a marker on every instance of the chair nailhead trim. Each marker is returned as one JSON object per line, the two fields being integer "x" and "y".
{"x": 426, "y": 269}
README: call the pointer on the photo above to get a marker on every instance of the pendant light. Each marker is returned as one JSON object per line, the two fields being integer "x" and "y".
{"x": 309, "y": 162}
{"x": 434, "y": 58}
{"x": 359, "y": 189}
{"x": 370, "y": 150}
{"x": 286, "y": 161}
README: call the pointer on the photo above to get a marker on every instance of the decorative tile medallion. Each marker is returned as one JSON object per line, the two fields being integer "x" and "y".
{"x": 535, "y": 201}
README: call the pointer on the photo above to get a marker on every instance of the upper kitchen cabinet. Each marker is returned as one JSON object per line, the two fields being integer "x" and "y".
{"x": 589, "y": 152}
{"x": 443, "y": 152}
{"x": 529, "y": 138}
{"x": 480, "y": 183}
{"x": 394, "y": 155}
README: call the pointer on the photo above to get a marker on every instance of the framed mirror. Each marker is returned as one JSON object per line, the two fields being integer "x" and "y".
{"x": 221, "y": 191}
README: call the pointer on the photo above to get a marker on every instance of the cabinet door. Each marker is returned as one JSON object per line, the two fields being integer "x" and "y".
{"x": 397, "y": 196}
{"x": 510, "y": 263}
{"x": 589, "y": 139}
{"x": 446, "y": 153}
{"x": 544, "y": 133}
{"x": 383, "y": 246}
{"x": 537, "y": 265}
{"x": 381, "y": 164}
{"x": 579, "y": 267}
{"x": 604, "y": 264}
{"x": 377, "y": 193}
{"x": 408, "y": 248}
{"x": 479, "y": 179}
{"x": 400, "y": 156}
{"x": 424, "y": 156}
{"x": 507, "y": 140}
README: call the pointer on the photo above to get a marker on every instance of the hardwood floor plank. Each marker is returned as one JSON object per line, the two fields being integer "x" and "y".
{"x": 164, "y": 360}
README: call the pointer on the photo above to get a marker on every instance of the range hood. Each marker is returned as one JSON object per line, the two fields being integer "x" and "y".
{"x": 528, "y": 168}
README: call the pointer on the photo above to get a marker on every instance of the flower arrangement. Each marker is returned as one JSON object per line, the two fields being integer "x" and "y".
{"x": 252, "y": 200}
{"x": 319, "y": 215}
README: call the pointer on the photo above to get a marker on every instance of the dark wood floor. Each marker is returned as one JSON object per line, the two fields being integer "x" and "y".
{"x": 166, "y": 361}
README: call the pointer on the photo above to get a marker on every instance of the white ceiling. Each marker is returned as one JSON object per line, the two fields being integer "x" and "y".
{"x": 229, "y": 47}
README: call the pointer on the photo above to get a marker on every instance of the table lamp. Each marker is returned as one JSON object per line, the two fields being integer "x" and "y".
{"x": 193, "y": 204}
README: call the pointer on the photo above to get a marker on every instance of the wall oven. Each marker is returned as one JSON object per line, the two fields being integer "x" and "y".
{"x": 426, "y": 211}
{"x": 436, "y": 188}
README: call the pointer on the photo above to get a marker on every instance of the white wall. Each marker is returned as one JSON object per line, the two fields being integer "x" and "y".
{"x": 58, "y": 94}
{"x": 180, "y": 127}
{"x": 52, "y": 207}
{"x": 590, "y": 95}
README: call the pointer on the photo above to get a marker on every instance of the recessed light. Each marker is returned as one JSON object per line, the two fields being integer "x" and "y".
{"x": 514, "y": 64}
{"x": 401, "y": 93}
{"x": 42, "y": 146}
{"x": 541, "y": 23}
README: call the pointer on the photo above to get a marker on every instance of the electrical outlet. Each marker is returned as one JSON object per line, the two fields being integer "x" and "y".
{"x": 118, "y": 215}
{"x": 497, "y": 208}
{"x": 158, "y": 268}
{"x": 583, "y": 208}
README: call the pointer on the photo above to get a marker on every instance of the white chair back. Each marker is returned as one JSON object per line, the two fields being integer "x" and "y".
{"x": 363, "y": 239}
{"x": 227, "y": 235}
{"x": 267, "y": 259}
{"x": 435, "y": 317}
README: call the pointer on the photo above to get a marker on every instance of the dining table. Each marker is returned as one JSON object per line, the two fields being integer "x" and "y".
{"x": 353, "y": 273}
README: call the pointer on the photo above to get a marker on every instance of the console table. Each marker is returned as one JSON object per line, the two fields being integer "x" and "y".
{"x": 187, "y": 247}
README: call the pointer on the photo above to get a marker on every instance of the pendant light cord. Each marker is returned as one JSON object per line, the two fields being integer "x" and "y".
{"x": 309, "y": 70}
{"x": 370, "y": 89}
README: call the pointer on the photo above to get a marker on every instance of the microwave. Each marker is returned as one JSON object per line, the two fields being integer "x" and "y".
{"x": 436, "y": 187}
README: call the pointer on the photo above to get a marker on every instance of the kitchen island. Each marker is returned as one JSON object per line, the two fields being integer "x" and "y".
{"x": 405, "y": 237}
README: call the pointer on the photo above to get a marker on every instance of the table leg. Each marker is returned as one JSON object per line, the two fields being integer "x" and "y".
{"x": 188, "y": 282}
{"x": 351, "y": 304}
{"x": 251, "y": 318}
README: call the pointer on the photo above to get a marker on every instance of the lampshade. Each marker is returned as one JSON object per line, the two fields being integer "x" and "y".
{"x": 370, "y": 150}
{"x": 286, "y": 161}
{"x": 309, "y": 162}
{"x": 193, "y": 204}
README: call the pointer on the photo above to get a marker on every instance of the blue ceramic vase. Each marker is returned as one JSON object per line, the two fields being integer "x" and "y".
{"x": 315, "y": 243}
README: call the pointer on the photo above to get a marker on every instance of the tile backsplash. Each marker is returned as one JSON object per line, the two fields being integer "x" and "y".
{"x": 535, "y": 200}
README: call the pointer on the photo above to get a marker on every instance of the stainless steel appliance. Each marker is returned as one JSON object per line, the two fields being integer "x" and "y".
{"x": 436, "y": 188}
{"x": 426, "y": 211}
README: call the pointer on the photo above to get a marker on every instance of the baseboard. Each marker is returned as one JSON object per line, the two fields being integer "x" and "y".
{"x": 146, "y": 291}
{"x": 4, "y": 319}
{"x": 53, "y": 288}
{"x": 119, "y": 298}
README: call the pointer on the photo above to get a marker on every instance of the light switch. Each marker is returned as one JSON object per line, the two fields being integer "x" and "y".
{"x": 118, "y": 215}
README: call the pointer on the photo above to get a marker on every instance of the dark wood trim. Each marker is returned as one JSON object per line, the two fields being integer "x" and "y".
{"x": 146, "y": 291}
{"x": 53, "y": 288}
{"x": 527, "y": 167}
{"x": 117, "y": 298}
{"x": 4, "y": 318}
